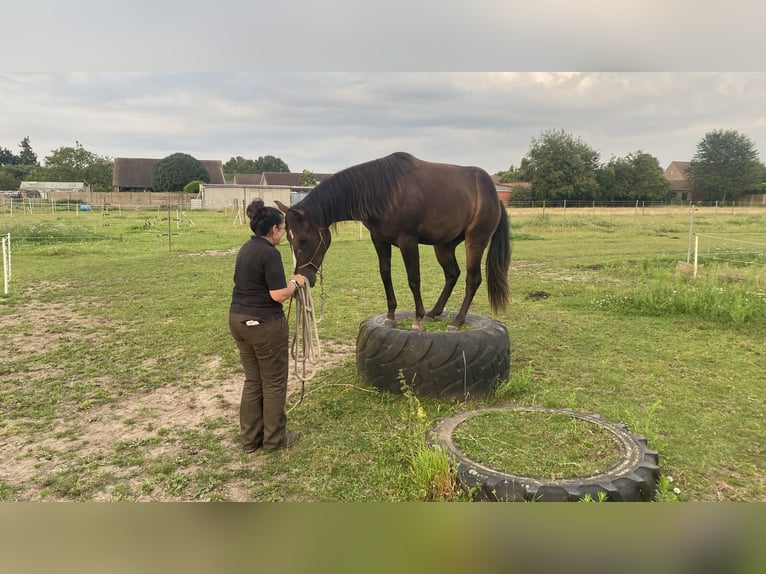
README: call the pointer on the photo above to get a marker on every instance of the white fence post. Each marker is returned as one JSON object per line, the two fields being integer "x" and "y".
{"x": 691, "y": 232}
{"x": 696, "y": 252}
{"x": 6, "y": 241}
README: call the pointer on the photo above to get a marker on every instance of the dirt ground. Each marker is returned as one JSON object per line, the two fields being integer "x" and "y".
{"x": 78, "y": 435}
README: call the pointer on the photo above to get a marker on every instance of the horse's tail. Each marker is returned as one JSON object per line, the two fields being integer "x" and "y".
{"x": 498, "y": 261}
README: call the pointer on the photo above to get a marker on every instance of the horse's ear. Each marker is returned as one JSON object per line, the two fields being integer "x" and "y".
{"x": 300, "y": 214}
{"x": 282, "y": 207}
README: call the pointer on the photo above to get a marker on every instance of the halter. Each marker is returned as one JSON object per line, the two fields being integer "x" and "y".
{"x": 311, "y": 260}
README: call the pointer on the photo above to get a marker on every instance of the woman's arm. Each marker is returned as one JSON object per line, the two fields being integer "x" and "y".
{"x": 282, "y": 295}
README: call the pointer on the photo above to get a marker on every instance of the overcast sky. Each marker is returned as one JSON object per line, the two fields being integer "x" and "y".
{"x": 402, "y": 91}
{"x": 324, "y": 122}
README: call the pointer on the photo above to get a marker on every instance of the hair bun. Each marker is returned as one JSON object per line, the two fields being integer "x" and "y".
{"x": 255, "y": 210}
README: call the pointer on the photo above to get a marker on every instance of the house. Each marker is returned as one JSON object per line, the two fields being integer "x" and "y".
{"x": 505, "y": 191}
{"x": 677, "y": 173}
{"x": 135, "y": 174}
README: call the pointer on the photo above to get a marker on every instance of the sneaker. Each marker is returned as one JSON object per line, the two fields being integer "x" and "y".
{"x": 290, "y": 439}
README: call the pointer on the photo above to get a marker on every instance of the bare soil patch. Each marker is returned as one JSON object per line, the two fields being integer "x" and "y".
{"x": 92, "y": 434}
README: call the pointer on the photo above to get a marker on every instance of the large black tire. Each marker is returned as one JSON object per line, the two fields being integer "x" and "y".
{"x": 633, "y": 478}
{"x": 446, "y": 364}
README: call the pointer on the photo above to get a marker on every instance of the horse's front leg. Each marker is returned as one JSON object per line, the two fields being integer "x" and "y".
{"x": 383, "y": 249}
{"x": 411, "y": 256}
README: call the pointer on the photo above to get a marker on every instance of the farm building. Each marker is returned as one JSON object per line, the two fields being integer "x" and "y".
{"x": 42, "y": 188}
{"x": 284, "y": 186}
{"x": 135, "y": 174}
{"x": 269, "y": 186}
{"x": 233, "y": 196}
{"x": 291, "y": 179}
{"x": 677, "y": 173}
{"x": 247, "y": 178}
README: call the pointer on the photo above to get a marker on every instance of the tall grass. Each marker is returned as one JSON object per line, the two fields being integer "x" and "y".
{"x": 705, "y": 299}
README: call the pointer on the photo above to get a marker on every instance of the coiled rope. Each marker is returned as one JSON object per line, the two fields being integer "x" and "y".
{"x": 304, "y": 349}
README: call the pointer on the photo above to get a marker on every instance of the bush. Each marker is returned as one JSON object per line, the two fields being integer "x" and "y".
{"x": 175, "y": 171}
{"x": 193, "y": 186}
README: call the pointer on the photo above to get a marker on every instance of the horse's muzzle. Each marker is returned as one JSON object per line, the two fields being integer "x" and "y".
{"x": 310, "y": 274}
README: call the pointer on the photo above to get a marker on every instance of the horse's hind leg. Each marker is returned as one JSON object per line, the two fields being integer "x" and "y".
{"x": 445, "y": 255}
{"x": 383, "y": 249}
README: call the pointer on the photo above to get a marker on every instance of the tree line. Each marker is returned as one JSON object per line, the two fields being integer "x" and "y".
{"x": 560, "y": 166}
{"x": 75, "y": 163}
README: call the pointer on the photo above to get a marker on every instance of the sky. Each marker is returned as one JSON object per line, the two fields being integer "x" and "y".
{"x": 326, "y": 85}
{"x": 324, "y": 122}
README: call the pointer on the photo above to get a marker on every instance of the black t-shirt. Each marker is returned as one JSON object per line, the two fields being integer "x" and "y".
{"x": 257, "y": 271}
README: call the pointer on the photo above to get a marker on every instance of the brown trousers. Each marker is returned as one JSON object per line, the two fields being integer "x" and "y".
{"x": 263, "y": 350}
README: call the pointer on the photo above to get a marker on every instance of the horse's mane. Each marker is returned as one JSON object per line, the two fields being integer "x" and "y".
{"x": 357, "y": 192}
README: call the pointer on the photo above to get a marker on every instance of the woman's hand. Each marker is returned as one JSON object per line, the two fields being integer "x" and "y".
{"x": 282, "y": 295}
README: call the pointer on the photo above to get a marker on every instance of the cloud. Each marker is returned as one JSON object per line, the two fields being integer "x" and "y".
{"x": 327, "y": 121}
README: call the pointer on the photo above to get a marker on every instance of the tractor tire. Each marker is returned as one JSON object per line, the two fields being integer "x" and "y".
{"x": 441, "y": 365}
{"x": 634, "y": 478}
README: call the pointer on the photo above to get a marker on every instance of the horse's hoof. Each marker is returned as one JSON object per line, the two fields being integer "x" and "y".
{"x": 389, "y": 323}
{"x": 417, "y": 326}
{"x": 452, "y": 328}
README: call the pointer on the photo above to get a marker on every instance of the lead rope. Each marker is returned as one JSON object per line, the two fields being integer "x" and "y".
{"x": 304, "y": 349}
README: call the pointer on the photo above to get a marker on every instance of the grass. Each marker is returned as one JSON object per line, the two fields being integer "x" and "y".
{"x": 437, "y": 325}
{"x": 120, "y": 380}
{"x": 537, "y": 444}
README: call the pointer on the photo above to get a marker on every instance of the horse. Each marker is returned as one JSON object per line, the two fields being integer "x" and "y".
{"x": 405, "y": 201}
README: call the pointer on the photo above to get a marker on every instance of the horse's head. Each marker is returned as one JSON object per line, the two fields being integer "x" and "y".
{"x": 308, "y": 242}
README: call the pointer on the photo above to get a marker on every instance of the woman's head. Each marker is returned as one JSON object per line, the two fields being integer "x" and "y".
{"x": 263, "y": 219}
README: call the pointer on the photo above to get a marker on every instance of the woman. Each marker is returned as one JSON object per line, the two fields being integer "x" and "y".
{"x": 258, "y": 324}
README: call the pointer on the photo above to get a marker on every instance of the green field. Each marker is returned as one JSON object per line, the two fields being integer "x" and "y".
{"x": 120, "y": 381}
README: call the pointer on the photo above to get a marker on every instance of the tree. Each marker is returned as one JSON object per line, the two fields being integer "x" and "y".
{"x": 27, "y": 156}
{"x": 512, "y": 174}
{"x": 239, "y": 165}
{"x": 176, "y": 170}
{"x": 637, "y": 176}
{"x": 264, "y": 163}
{"x": 307, "y": 179}
{"x": 725, "y": 166}
{"x": 76, "y": 164}
{"x": 561, "y": 166}
{"x": 10, "y": 177}
{"x": 270, "y": 163}
{"x": 606, "y": 176}
{"x": 762, "y": 178}
{"x": 7, "y": 157}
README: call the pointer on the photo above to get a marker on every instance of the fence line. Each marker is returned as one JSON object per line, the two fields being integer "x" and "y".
{"x": 755, "y": 256}
{"x": 734, "y": 240}
{"x": 634, "y": 204}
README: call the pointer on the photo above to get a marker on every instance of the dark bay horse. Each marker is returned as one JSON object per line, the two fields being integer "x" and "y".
{"x": 405, "y": 201}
